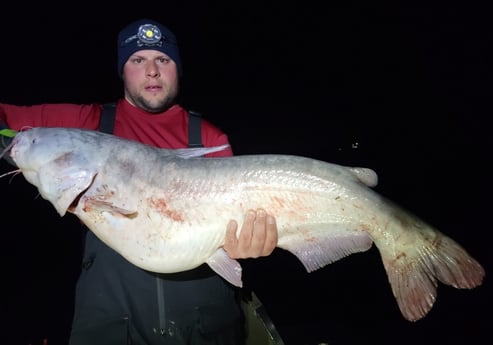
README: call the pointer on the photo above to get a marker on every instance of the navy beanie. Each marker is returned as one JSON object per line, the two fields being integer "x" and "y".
{"x": 146, "y": 34}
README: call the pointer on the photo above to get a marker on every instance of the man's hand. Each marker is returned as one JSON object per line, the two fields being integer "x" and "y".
{"x": 258, "y": 236}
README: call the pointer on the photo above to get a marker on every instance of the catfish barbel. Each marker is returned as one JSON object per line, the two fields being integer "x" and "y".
{"x": 166, "y": 210}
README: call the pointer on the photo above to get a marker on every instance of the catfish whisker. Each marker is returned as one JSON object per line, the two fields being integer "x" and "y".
{"x": 13, "y": 172}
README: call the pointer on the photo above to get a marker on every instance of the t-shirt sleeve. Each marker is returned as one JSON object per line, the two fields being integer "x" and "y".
{"x": 50, "y": 115}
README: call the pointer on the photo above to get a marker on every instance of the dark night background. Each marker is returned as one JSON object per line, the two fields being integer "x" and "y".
{"x": 404, "y": 90}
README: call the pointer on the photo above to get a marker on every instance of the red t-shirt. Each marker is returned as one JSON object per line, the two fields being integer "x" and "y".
{"x": 165, "y": 130}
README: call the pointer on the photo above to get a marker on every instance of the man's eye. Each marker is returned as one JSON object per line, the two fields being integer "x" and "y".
{"x": 163, "y": 60}
{"x": 137, "y": 60}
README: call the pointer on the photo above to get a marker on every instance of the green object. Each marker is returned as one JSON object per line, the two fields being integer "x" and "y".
{"x": 6, "y": 136}
{"x": 7, "y": 132}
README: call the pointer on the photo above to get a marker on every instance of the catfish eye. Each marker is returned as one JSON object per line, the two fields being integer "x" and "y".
{"x": 33, "y": 141}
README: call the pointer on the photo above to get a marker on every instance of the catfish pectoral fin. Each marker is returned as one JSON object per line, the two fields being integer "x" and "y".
{"x": 228, "y": 268}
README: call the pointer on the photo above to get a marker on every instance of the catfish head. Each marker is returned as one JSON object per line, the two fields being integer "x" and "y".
{"x": 52, "y": 161}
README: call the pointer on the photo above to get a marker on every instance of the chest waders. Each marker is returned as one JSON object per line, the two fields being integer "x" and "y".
{"x": 259, "y": 327}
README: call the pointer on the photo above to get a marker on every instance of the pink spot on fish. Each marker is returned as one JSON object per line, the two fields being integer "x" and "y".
{"x": 160, "y": 205}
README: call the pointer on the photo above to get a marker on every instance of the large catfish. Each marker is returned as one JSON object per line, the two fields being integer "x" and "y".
{"x": 166, "y": 210}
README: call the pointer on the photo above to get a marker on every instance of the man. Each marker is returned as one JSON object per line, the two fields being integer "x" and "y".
{"x": 116, "y": 302}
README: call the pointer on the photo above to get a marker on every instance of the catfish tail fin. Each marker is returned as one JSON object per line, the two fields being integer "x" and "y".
{"x": 414, "y": 273}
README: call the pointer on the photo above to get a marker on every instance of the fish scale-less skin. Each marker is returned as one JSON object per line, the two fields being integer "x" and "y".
{"x": 167, "y": 213}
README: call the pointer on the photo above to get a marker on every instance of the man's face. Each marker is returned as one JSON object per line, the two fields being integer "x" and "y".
{"x": 150, "y": 80}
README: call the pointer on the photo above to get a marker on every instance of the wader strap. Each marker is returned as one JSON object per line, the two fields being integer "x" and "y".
{"x": 194, "y": 129}
{"x": 107, "y": 121}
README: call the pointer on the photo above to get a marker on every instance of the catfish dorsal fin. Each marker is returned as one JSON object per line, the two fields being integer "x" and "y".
{"x": 365, "y": 175}
{"x": 198, "y": 151}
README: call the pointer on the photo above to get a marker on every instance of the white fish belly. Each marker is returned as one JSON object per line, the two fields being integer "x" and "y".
{"x": 181, "y": 223}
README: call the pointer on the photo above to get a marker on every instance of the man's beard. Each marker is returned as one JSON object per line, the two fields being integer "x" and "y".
{"x": 154, "y": 106}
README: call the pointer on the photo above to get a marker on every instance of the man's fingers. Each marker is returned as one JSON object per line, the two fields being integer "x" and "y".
{"x": 259, "y": 234}
{"x": 271, "y": 236}
{"x": 246, "y": 233}
{"x": 231, "y": 240}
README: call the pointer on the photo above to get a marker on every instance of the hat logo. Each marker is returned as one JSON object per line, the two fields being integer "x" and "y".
{"x": 147, "y": 35}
